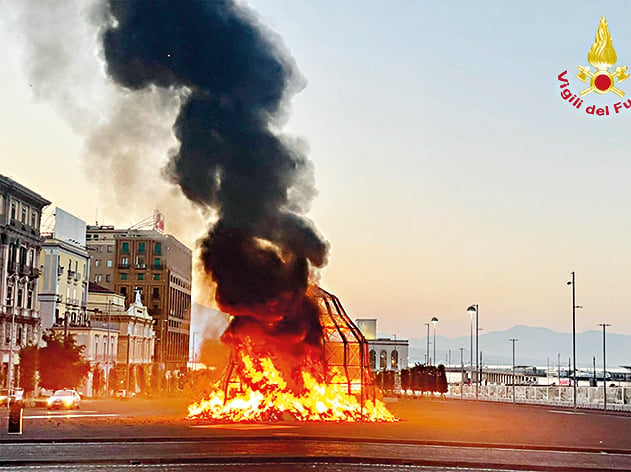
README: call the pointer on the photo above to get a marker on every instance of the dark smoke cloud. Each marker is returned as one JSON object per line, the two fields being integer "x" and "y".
{"x": 236, "y": 80}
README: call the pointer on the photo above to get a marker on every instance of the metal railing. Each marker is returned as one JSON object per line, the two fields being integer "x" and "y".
{"x": 618, "y": 397}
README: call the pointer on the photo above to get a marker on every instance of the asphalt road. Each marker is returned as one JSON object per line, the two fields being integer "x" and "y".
{"x": 431, "y": 435}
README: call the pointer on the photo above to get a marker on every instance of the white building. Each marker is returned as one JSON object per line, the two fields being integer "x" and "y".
{"x": 63, "y": 287}
{"x": 135, "y": 336}
{"x": 384, "y": 353}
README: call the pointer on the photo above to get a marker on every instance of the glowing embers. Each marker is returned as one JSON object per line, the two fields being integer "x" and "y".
{"x": 264, "y": 393}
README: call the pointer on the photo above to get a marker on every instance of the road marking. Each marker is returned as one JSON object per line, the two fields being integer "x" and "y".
{"x": 73, "y": 415}
{"x": 567, "y": 412}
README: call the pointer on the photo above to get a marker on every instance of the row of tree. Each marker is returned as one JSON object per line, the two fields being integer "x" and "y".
{"x": 58, "y": 364}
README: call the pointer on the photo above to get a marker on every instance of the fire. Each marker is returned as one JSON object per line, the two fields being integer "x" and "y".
{"x": 264, "y": 392}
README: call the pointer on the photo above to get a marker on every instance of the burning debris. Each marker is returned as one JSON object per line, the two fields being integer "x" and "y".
{"x": 235, "y": 80}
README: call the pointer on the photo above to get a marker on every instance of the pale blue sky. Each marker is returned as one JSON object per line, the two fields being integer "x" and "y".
{"x": 450, "y": 171}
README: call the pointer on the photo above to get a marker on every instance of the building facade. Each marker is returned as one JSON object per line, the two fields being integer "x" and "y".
{"x": 161, "y": 267}
{"x": 63, "y": 285}
{"x": 384, "y": 353}
{"x": 135, "y": 336}
{"x": 20, "y": 246}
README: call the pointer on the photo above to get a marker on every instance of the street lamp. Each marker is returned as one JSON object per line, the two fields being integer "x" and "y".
{"x": 513, "y": 340}
{"x": 604, "y": 325}
{"x": 434, "y": 321}
{"x": 574, "y": 307}
{"x": 461, "y": 372}
{"x": 427, "y": 351}
{"x": 471, "y": 310}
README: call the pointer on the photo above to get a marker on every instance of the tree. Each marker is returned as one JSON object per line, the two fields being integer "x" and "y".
{"x": 29, "y": 360}
{"x": 61, "y": 362}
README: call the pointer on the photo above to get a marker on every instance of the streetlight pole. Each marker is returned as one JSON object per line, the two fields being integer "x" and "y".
{"x": 513, "y": 340}
{"x": 434, "y": 323}
{"x": 461, "y": 372}
{"x": 427, "y": 359}
{"x": 107, "y": 360}
{"x": 475, "y": 309}
{"x": 604, "y": 325}
{"x": 574, "y": 307}
{"x": 14, "y": 297}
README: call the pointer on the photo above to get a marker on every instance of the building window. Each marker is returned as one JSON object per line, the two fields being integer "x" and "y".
{"x": 141, "y": 276}
{"x": 98, "y": 278}
{"x": 108, "y": 277}
{"x": 97, "y": 262}
{"x": 124, "y": 262}
{"x": 109, "y": 263}
{"x": 140, "y": 262}
{"x": 383, "y": 360}
{"x": 394, "y": 360}
{"x": 33, "y": 218}
{"x": 141, "y": 248}
{"x": 157, "y": 248}
{"x": 123, "y": 276}
{"x": 24, "y": 210}
{"x": 373, "y": 359}
{"x": 157, "y": 264}
{"x": 9, "y": 296}
{"x": 14, "y": 209}
{"x": 123, "y": 291}
{"x": 156, "y": 276}
{"x": 110, "y": 248}
{"x": 156, "y": 292}
{"x": 125, "y": 248}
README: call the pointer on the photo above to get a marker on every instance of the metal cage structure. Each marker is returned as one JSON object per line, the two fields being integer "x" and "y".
{"x": 345, "y": 348}
{"x": 346, "y": 357}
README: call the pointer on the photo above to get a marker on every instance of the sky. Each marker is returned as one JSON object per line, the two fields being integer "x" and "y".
{"x": 449, "y": 169}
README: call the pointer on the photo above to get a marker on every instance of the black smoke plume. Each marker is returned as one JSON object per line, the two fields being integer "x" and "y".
{"x": 236, "y": 80}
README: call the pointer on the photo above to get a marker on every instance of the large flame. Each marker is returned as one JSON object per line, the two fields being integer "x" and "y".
{"x": 265, "y": 393}
{"x": 602, "y": 55}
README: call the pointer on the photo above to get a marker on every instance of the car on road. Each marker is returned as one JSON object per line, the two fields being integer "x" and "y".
{"x": 66, "y": 398}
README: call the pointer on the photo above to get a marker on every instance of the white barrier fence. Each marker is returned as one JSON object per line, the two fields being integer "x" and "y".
{"x": 618, "y": 398}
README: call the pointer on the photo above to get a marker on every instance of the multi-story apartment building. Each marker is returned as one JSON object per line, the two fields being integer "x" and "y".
{"x": 20, "y": 245}
{"x": 161, "y": 267}
{"x": 63, "y": 286}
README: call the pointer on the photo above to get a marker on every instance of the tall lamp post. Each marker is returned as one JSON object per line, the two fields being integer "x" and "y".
{"x": 462, "y": 372}
{"x": 604, "y": 325}
{"x": 434, "y": 322}
{"x": 427, "y": 359}
{"x": 513, "y": 340}
{"x": 572, "y": 282}
{"x": 471, "y": 310}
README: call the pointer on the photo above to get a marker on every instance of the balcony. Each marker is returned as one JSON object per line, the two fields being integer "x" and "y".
{"x": 123, "y": 266}
{"x": 141, "y": 266}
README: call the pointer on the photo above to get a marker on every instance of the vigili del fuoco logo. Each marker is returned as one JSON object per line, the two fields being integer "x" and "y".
{"x": 602, "y": 80}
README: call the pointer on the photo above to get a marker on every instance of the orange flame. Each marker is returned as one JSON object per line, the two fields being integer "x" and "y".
{"x": 264, "y": 394}
{"x": 602, "y": 55}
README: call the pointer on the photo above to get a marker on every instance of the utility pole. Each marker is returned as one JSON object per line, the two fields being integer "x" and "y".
{"x": 513, "y": 340}
{"x": 604, "y": 325}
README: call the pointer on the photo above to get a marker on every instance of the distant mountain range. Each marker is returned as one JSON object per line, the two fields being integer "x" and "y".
{"x": 536, "y": 346}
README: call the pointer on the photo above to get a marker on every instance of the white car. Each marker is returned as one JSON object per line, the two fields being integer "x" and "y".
{"x": 66, "y": 398}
